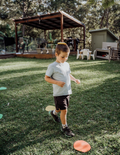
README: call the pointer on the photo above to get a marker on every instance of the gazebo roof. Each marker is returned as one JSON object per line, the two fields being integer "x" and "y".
{"x": 51, "y": 21}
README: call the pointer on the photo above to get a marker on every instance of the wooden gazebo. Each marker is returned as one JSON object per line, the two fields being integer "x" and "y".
{"x": 58, "y": 20}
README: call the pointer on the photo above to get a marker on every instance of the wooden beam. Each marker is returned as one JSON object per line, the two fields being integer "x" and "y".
{"x": 45, "y": 24}
{"x": 56, "y": 24}
{"x": 36, "y": 55}
{"x": 49, "y": 17}
{"x": 16, "y": 38}
{"x": 45, "y": 27}
{"x": 26, "y": 20}
{"x": 61, "y": 27}
{"x": 35, "y": 19}
{"x": 64, "y": 28}
{"x": 68, "y": 23}
{"x": 36, "y": 25}
{"x": 84, "y": 37}
{"x": 70, "y": 17}
{"x": 45, "y": 34}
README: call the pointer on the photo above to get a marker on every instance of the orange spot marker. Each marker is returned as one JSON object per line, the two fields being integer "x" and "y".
{"x": 82, "y": 146}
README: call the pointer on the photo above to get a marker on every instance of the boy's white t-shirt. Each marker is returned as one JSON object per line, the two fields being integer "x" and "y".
{"x": 60, "y": 72}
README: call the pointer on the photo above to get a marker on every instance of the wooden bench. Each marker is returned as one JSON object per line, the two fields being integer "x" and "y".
{"x": 108, "y": 51}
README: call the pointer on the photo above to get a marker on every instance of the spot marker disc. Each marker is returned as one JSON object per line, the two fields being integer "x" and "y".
{"x": 82, "y": 146}
{"x": 49, "y": 108}
{"x": 1, "y": 115}
{"x": 3, "y": 88}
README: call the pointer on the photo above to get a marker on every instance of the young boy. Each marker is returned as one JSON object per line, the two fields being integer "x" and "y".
{"x": 58, "y": 73}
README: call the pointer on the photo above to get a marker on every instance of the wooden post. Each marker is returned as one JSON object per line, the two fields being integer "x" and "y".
{"x": 61, "y": 27}
{"x": 16, "y": 38}
{"x": 84, "y": 37}
{"x": 45, "y": 34}
{"x": 74, "y": 45}
{"x": 45, "y": 38}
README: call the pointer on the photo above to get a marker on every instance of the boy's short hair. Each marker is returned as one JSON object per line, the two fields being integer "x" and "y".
{"x": 62, "y": 47}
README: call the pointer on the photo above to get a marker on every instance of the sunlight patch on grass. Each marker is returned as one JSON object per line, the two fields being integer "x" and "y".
{"x": 20, "y": 66}
{"x": 86, "y": 63}
{"x": 27, "y": 73}
{"x": 98, "y": 81}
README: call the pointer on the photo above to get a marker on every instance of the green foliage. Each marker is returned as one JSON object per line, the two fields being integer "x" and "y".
{"x": 2, "y": 34}
{"x": 93, "y": 14}
{"x": 3, "y": 16}
{"x": 92, "y": 1}
{"x": 69, "y": 6}
{"x": 8, "y": 32}
{"x": 104, "y": 3}
{"x": 1, "y": 38}
{"x": 108, "y": 3}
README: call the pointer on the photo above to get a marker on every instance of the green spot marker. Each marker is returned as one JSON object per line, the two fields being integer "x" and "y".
{"x": 3, "y": 88}
{"x": 1, "y": 116}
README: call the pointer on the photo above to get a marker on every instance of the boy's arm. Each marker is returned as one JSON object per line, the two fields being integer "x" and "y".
{"x": 74, "y": 79}
{"x": 50, "y": 80}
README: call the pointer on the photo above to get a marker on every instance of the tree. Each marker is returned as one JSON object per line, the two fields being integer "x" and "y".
{"x": 22, "y": 8}
{"x": 91, "y": 14}
{"x": 69, "y": 6}
{"x": 105, "y": 9}
{"x": 114, "y": 20}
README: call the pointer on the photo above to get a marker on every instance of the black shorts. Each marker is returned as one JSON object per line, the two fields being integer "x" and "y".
{"x": 61, "y": 102}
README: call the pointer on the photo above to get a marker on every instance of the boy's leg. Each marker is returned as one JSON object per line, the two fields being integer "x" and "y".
{"x": 63, "y": 117}
{"x": 53, "y": 113}
{"x": 65, "y": 129}
{"x": 57, "y": 111}
{"x": 54, "y": 116}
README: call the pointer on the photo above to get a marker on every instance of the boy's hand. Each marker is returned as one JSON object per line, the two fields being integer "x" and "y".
{"x": 74, "y": 79}
{"x": 77, "y": 81}
{"x": 60, "y": 83}
{"x": 50, "y": 80}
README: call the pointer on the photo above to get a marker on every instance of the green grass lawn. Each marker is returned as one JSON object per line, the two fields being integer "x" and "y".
{"x": 93, "y": 115}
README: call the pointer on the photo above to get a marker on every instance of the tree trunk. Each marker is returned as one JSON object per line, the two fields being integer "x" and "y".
{"x": 101, "y": 23}
{"x": 107, "y": 17}
{"x": 23, "y": 28}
